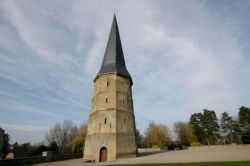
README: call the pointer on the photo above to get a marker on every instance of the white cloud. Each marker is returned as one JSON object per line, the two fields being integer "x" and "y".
{"x": 183, "y": 56}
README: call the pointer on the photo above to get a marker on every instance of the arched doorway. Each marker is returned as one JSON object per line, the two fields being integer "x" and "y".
{"x": 103, "y": 154}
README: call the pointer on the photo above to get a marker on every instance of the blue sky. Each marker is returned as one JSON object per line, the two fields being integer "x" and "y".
{"x": 183, "y": 56}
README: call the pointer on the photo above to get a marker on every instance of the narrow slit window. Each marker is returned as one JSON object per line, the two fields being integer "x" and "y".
{"x": 106, "y": 100}
{"x": 105, "y": 121}
{"x": 124, "y": 121}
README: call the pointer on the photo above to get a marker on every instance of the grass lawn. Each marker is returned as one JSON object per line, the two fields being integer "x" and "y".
{"x": 228, "y": 163}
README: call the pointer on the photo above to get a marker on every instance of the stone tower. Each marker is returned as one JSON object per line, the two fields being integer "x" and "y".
{"x": 111, "y": 126}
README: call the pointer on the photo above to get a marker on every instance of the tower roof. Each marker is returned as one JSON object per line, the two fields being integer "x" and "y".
{"x": 113, "y": 61}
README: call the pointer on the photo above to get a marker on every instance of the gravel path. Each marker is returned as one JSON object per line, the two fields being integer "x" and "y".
{"x": 197, "y": 154}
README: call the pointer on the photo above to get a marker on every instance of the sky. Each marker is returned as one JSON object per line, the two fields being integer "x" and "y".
{"x": 183, "y": 56}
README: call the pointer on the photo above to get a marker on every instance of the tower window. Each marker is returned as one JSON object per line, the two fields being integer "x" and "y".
{"x": 124, "y": 121}
{"x": 123, "y": 101}
{"x": 105, "y": 121}
{"x": 106, "y": 100}
{"x": 107, "y": 83}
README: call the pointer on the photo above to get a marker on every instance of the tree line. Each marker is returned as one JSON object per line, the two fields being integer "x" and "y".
{"x": 203, "y": 128}
{"x": 63, "y": 137}
{"x": 228, "y": 129}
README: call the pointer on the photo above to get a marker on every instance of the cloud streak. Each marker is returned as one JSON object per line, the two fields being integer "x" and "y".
{"x": 23, "y": 127}
{"x": 183, "y": 56}
{"x": 12, "y": 106}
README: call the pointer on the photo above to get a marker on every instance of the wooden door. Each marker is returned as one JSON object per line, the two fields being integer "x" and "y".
{"x": 103, "y": 154}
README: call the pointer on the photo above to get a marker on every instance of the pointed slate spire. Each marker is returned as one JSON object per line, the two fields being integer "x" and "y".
{"x": 113, "y": 61}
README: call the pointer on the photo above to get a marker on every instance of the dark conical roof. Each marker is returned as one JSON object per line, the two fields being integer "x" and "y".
{"x": 113, "y": 61}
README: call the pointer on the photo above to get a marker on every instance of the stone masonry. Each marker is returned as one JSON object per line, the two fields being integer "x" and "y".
{"x": 111, "y": 121}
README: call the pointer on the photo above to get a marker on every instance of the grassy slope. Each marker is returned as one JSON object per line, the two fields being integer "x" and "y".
{"x": 233, "y": 163}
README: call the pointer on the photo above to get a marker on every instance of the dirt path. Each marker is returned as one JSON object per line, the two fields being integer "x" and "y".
{"x": 197, "y": 154}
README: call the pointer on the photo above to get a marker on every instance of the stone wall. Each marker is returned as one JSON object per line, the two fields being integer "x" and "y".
{"x": 95, "y": 142}
{"x": 38, "y": 159}
{"x": 145, "y": 150}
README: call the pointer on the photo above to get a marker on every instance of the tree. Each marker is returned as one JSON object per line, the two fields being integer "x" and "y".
{"x": 53, "y": 146}
{"x": 244, "y": 116}
{"x": 62, "y": 134}
{"x": 244, "y": 120}
{"x": 157, "y": 134}
{"x": 25, "y": 145}
{"x": 184, "y": 132}
{"x": 226, "y": 122}
{"x": 210, "y": 125}
{"x": 197, "y": 125}
{"x": 139, "y": 138}
{"x": 4, "y": 144}
{"x": 206, "y": 126}
{"x": 230, "y": 128}
{"x": 77, "y": 143}
{"x": 15, "y": 144}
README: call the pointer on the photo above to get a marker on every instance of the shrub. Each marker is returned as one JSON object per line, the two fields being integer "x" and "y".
{"x": 196, "y": 144}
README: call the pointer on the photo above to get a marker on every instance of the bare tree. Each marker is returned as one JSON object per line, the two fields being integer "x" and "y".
{"x": 62, "y": 134}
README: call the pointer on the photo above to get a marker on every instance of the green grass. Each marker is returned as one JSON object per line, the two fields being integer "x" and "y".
{"x": 229, "y": 163}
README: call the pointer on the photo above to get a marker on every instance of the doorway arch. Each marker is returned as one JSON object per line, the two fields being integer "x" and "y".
{"x": 103, "y": 154}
